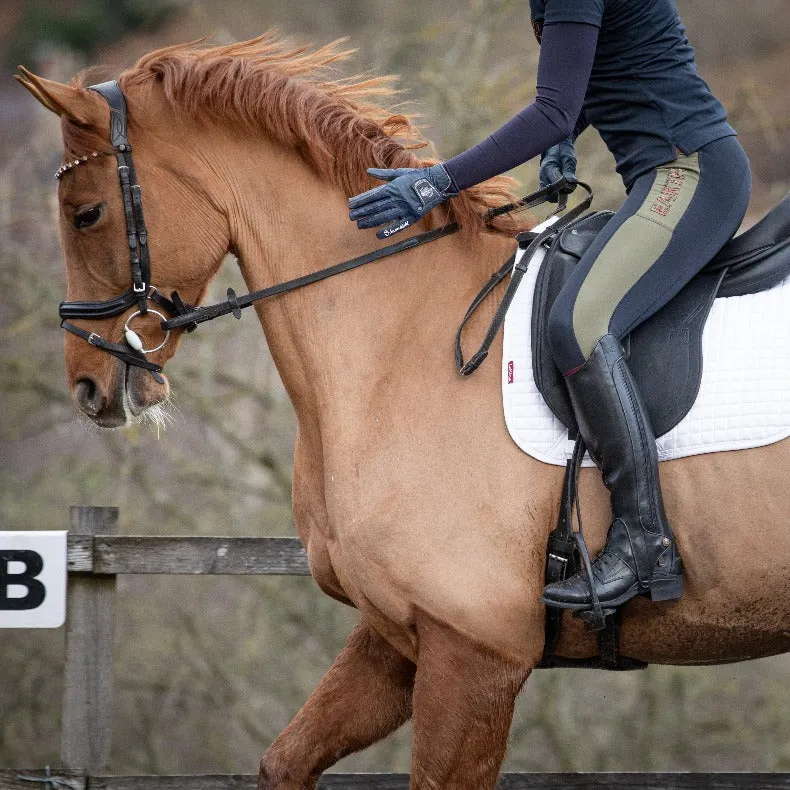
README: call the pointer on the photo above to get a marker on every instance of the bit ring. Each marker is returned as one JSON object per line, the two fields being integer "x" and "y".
{"x": 129, "y": 331}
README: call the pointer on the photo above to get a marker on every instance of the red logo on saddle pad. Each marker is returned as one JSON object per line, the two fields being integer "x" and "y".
{"x": 510, "y": 372}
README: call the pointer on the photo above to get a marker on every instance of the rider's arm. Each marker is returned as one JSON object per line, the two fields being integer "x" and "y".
{"x": 566, "y": 58}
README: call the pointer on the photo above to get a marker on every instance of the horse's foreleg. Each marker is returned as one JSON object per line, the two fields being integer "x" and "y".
{"x": 463, "y": 705}
{"x": 364, "y": 696}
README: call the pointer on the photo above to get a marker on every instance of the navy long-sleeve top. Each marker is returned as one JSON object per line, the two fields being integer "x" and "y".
{"x": 624, "y": 67}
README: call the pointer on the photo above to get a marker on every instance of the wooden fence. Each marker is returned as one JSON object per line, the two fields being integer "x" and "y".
{"x": 97, "y": 554}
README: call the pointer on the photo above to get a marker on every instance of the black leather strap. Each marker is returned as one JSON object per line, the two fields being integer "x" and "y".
{"x": 123, "y": 352}
{"x": 534, "y": 199}
{"x": 235, "y": 304}
{"x": 112, "y": 307}
{"x": 113, "y": 95}
{"x": 131, "y": 192}
{"x": 105, "y": 309}
{"x": 520, "y": 269}
{"x": 561, "y": 559}
{"x": 496, "y": 278}
{"x": 594, "y": 618}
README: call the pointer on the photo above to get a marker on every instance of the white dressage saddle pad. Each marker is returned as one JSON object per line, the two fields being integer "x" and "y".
{"x": 744, "y": 397}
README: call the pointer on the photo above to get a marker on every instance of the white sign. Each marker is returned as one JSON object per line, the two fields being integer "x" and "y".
{"x": 32, "y": 579}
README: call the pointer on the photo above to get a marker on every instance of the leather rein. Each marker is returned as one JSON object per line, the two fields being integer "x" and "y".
{"x": 176, "y": 314}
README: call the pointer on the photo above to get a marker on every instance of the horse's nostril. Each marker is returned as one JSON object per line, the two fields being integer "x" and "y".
{"x": 88, "y": 397}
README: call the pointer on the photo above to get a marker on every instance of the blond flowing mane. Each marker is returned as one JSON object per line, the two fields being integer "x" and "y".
{"x": 293, "y": 93}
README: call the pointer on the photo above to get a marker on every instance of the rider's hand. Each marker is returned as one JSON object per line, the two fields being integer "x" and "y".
{"x": 409, "y": 194}
{"x": 558, "y": 162}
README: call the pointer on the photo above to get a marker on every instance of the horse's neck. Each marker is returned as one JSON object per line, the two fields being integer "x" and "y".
{"x": 344, "y": 344}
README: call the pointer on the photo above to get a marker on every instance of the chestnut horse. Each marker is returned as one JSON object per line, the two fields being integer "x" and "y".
{"x": 413, "y": 503}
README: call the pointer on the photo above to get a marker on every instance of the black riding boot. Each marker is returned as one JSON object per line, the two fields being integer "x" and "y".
{"x": 640, "y": 556}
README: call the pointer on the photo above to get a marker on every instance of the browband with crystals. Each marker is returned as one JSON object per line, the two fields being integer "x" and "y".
{"x": 70, "y": 164}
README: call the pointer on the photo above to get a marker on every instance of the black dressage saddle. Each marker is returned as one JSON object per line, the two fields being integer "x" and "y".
{"x": 665, "y": 352}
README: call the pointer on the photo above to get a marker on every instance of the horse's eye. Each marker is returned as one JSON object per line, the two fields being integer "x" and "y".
{"x": 88, "y": 216}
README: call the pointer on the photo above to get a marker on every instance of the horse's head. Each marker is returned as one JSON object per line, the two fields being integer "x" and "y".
{"x": 105, "y": 239}
{"x": 253, "y": 146}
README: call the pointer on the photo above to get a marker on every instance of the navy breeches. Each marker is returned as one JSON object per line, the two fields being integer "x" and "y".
{"x": 674, "y": 220}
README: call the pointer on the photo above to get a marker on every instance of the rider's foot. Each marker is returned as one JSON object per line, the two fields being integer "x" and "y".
{"x": 616, "y": 577}
{"x": 640, "y": 556}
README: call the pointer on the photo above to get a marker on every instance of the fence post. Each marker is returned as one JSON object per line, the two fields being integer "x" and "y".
{"x": 86, "y": 725}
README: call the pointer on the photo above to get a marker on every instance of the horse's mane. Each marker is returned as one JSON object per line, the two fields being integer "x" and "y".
{"x": 295, "y": 96}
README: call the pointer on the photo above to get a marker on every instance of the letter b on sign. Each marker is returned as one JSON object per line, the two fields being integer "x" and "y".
{"x": 32, "y": 579}
{"x": 35, "y": 592}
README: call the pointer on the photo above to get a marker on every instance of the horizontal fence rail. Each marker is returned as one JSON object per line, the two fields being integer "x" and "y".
{"x": 114, "y": 554}
{"x": 62, "y": 779}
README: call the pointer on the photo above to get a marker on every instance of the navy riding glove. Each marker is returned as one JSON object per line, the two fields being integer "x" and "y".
{"x": 558, "y": 162}
{"x": 407, "y": 197}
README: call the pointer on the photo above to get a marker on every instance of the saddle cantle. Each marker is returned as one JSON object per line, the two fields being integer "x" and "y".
{"x": 665, "y": 352}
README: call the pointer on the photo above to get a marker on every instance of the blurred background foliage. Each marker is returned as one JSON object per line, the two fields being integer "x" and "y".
{"x": 83, "y": 27}
{"x": 209, "y": 670}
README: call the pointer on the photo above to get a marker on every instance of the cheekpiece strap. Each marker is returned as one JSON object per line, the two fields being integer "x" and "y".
{"x": 131, "y": 191}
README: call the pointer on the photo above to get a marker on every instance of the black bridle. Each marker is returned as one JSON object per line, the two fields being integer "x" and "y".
{"x": 131, "y": 350}
{"x": 186, "y": 316}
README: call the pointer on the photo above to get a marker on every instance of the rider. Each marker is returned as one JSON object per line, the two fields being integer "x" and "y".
{"x": 626, "y": 68}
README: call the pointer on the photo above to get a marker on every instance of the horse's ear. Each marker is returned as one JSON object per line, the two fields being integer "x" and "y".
{"x": 84, "y": 107}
